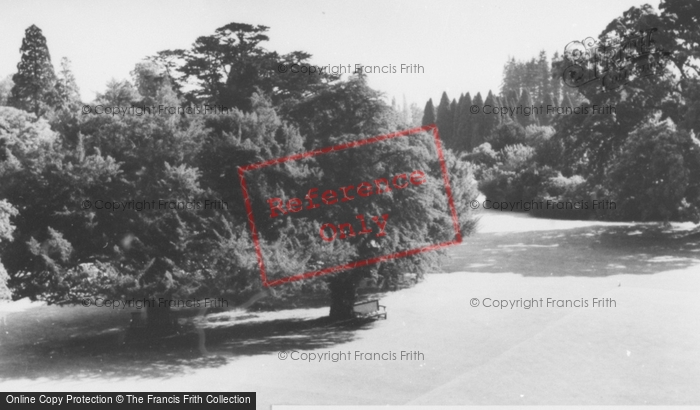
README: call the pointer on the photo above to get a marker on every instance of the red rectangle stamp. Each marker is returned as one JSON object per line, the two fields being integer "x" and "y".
{"x": 350, "y": 201}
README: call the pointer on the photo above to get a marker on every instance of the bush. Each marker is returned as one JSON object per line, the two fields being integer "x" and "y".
{"x": 482, "y": 158}
{"x": 573, "y": 190}
{"x": 655, "y": 176}
{"x": 509, "y": 133}
{"x": 515, "y": 176}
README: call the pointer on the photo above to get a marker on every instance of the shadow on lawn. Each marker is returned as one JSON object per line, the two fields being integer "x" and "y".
{"x": 99, "y": 353}
{"x": 588, "y": 251}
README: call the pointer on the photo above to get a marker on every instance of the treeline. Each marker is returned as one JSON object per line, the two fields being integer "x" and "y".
{"x": 525, "y": 84}
{"x": 644, "y": 155}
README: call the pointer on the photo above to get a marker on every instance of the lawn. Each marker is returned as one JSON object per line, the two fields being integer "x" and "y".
{"x": 644, "y": 350}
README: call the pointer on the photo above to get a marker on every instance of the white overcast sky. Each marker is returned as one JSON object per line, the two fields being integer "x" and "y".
{"x": 463, "y": 44}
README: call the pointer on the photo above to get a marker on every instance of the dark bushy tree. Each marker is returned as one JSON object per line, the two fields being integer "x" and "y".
{"x": 35, "y": 81}
{"x": 490, "y": 121}
{"x": 416, "y": 215}
{"x": 428, "y": 113}
{"x": 478, "y": 124}
{"x": 445, "y": 120}
{"x": 230, "y": 65}
{"x": 655, "y": 175}
{"x": 463, "y": 131}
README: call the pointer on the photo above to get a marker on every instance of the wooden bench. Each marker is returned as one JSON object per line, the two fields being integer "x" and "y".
{"x": 369, "y": 309}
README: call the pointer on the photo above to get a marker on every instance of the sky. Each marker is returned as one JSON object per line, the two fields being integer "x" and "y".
{"x": 462, "y": 45}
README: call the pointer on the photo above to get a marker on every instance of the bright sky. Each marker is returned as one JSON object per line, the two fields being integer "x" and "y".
{"x": 461, "y": 44}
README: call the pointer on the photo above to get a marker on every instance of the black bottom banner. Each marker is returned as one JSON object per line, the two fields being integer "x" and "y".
{"x": 237, "y": 400}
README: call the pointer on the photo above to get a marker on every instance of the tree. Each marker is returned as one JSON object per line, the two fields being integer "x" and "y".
{"x": 34, "y": 83}
{"x": 6, "y": 229}
{"x": 510, "y": 133}
{"x": 428, "y": 113}
{"x": 67, "y": 89}
{"x": 5, "y": 90}
{"x": 490, "y": 121}
{"x": 477, "y": 122}
{"x": 525, "y": 101}
{"x": 556, "y": 77}
{"x": 65, "y": 252}
{"x": 416, "y": 215}
{"x": 21, "y": 134}
{"x": 548, "y": 101}
{"x": 463, "y": 134}
{"x": 544, "y": 77}
{"x": 445, "y": 120}
{"x": 230, "y": 65}
{"x": 596, "y": 139}
{"x": 511, "y": 77}
{"x": 119, "y": 94}
{"x": 154, "y": 85}
{"x": 457, "y": 113}
{"x": 318, "y": 116}
{"x": 455, "y": 116}
{"x": 416, "y": 115}
{"x": 652, "y": 177}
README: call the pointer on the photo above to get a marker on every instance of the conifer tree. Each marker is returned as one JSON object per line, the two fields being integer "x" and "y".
{"x": 34, "y": 83}
{"x": 428, "y": 113}
{"x": 464, "y": 130}
{"x": 490, "y": 121}
{"x": 547, "y": 102}
{"x": 66, "y": 87}
{"x": 477, "y": 123}
{"x": 525, "y": 102}
{"x": 544, "y": 77}
{"x": 451, "y": 119}
{"x": 556, "y": 78}
{"x": 457, "y": 113}
{"x": 445, "y": 119}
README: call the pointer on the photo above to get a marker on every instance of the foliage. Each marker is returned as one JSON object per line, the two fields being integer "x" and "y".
{"x": 463, "y": 135}
{"x": 351, "y": 111}
{"x": 509, "y": 133}
{"x": 154, "y": 85}
{"x": 348, "y": 107}
{"x": 428, "y": 113}
{"x": 572, "y": 191}
{"x": 67, "y": 90}
{"x": 445, "y": 120}
{"x": 625, "y": 156}
{"x": 119, "y": 94}
{"x": 228, "y": 66}
{"x": 655, "y": 175}
{"x": 6, "y": 85}
{"x": 34, "y": 84}
{"x": 6, "y": 228}
{"x": 59, "y": 172}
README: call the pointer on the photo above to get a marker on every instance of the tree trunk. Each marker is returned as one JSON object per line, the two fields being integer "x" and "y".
{"x": 343, "y": 289}
{"x": 159, "y": 320}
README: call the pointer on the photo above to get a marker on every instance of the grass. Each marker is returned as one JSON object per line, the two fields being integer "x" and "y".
{"x": 646, "y": 350}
